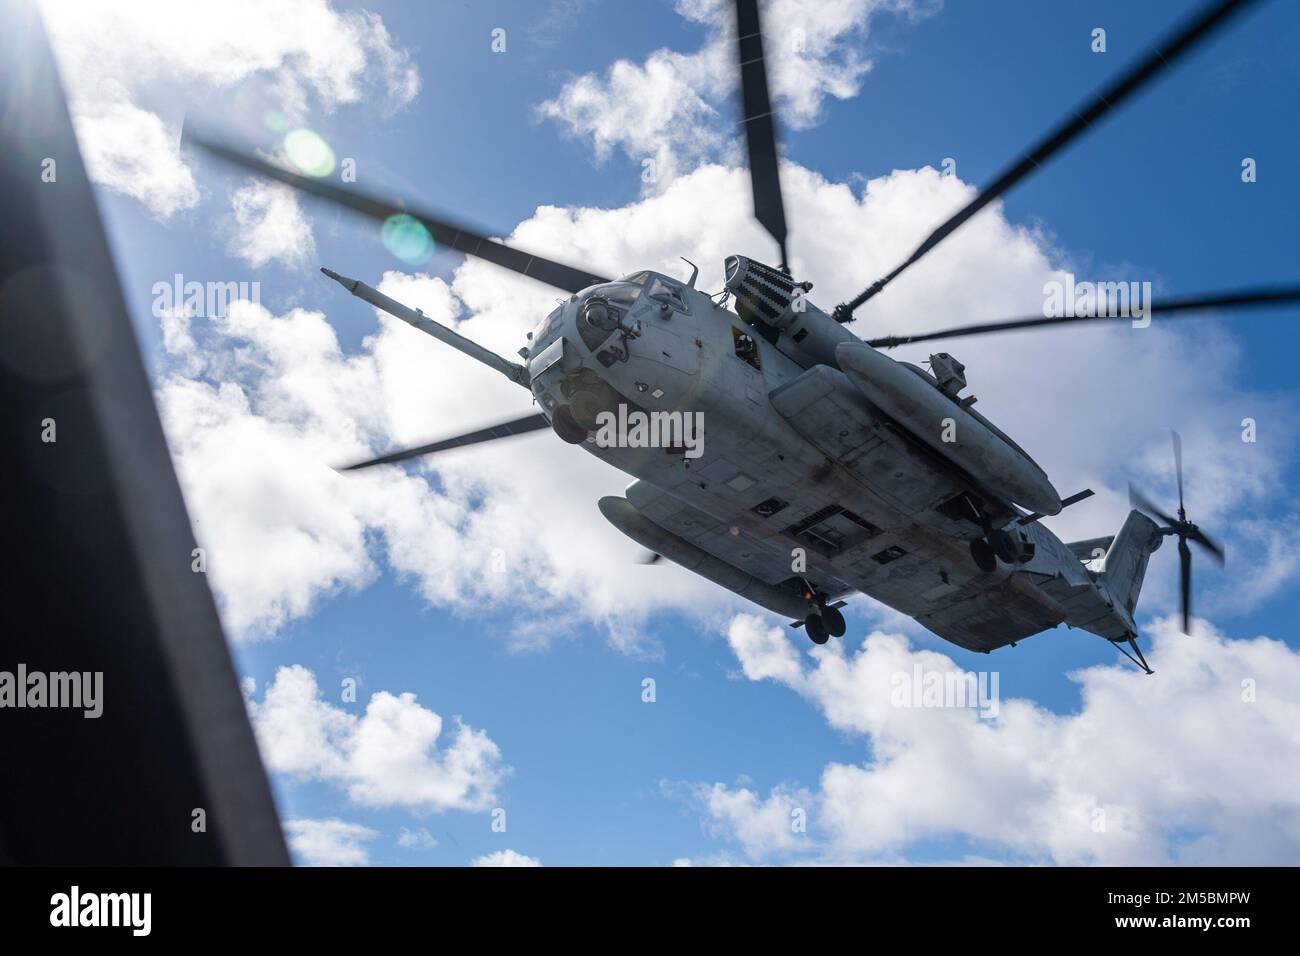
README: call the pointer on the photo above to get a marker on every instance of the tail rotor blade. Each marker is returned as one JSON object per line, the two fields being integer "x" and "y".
{"x": 1185, "y": 575}
{"x": 1183, "y": 529}
{"x": 1178, "y": 468}
{"x": 1210, "y": 545}
{"x": 1142, "y": 503}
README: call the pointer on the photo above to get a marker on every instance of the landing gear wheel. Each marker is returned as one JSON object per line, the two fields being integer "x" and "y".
{"x": 1005, "y": 547}
{"x": 982, "y": 553}
{"x": 834, "y": 621}
{"x": 816, "y": 628}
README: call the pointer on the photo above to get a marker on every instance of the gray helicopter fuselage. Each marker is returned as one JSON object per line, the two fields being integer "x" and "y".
{"x": 775, "y": 476}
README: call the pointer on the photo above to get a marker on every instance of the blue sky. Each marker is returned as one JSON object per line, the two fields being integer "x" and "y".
{"x": 595, "y": 775}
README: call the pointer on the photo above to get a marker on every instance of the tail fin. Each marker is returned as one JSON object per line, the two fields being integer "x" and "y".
{"x": 1126, "y": 560}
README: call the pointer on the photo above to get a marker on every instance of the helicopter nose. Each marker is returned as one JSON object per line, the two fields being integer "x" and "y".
{"x": 566, "y": 426}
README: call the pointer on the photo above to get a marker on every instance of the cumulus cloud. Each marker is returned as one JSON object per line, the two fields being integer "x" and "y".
{"x": 330, "y": 842}
{"x": 763, "y": 827}
{"x": 505, "y": 858}
{"x": 1148, "y": 771}
{"x": 269, "y": 226}
{"x": 132, "y": 151}
{"x": 417, "y": 839}
{"x": 131, "y": 70}
{"x": 393, "y": 755}
{"x": 673, "y": 108}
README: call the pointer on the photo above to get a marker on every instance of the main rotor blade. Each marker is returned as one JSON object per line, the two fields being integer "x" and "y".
{"x": 1179, "y": 42}
{"x": 1239, "y": 299}
{"x": 518, "y": 426}
{"x": 445, "y": 232}
{"x": 760, "y": 130}
{"x": 1178, "y": 468}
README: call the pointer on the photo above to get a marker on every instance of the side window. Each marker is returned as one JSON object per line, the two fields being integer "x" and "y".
{"x": 665, "y": 292}
{"x": 746, "y": 348}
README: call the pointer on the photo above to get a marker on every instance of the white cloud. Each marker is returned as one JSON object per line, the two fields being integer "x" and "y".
{"x": 505, "y": 858}
{"x": 1150, "y": 770}
{"x": 393, "y": 755}
{"x": 330, "y": 842}
{"x": 132, "y": 69}
{"x": 269, "y": 225}
{"x": 775, "y": 825}
{"x": 418, "y": 839}
{"x": 678, "y": 109}
{"x": 131, "y": 150}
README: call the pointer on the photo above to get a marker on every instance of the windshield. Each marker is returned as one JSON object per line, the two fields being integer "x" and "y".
{"x": 668, "y": 293}
{"x": 620, "y": 293}
{"x": 547, "y": 331}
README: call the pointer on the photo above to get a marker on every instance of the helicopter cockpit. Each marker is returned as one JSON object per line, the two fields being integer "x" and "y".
{"x": 601, "y": 317}
{"x": 602, "y": 311}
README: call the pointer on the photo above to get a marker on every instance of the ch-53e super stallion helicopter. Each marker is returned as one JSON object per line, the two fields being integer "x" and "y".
{"x": 829, "y": 467}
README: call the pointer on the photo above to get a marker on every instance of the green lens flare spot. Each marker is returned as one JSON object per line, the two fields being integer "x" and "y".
{"x": 407, "y": 238}
{"x": 311, "y": 154}
{"x": 275, "y": 121}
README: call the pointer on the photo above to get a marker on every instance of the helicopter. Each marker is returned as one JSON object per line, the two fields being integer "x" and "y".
{"x": 822, "y": 466}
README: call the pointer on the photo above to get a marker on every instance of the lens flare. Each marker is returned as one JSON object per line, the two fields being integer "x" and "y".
{"x": 275, "y": 121}
{"x": 408, "y": 239}
{"x": 311, "y": 154}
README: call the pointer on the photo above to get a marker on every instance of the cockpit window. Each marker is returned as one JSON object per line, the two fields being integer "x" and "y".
{"x": 620, "y": 293}
{"x": 547, "y": 331}
{"x": 637, "y": 278}
{"x": 666, "y": 292}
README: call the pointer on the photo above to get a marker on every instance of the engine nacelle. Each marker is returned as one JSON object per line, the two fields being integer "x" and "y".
{"x": 779, "y": 310}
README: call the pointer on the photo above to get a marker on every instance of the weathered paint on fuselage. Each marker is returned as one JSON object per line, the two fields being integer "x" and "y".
{"x": 783, "y": 444}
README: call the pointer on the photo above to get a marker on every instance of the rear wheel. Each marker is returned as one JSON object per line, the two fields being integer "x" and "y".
{"x": 982, "y": 553}
{"x": 834, "y": 621}
{"x": 816, "y": 628}
{"x": 1006, "y": 547}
